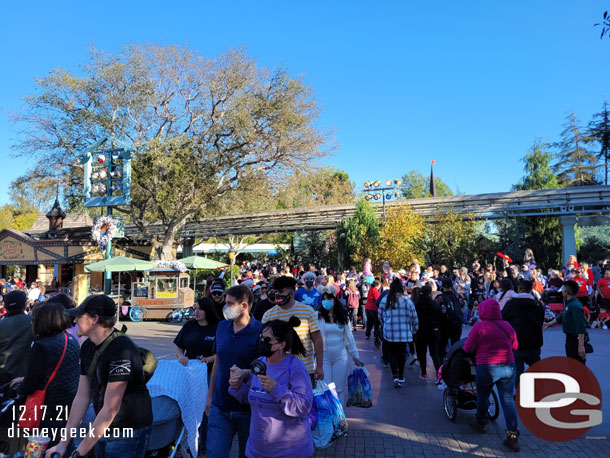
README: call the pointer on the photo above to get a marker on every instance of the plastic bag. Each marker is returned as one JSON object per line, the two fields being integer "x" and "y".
{"x": 331, "y": 422}
{"x": 359, "y": 388}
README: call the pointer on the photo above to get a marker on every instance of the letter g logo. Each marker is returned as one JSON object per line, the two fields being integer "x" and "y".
{"x": 550, "y": 401}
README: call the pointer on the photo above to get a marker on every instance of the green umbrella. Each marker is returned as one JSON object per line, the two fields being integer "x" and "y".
{"x": 120, "y": 264}
{"x": 199, "y": 262}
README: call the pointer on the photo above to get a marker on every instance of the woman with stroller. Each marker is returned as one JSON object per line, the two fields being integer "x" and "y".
{"x": 280, "y": 396}
{"x": 338, "y": 341}
{"x": 494, "y": 340}
{"x": 53, "y": 359}
{"x": 398, "y": 318}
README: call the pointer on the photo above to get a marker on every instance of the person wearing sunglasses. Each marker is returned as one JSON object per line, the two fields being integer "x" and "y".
{"x": 217, "y": 295}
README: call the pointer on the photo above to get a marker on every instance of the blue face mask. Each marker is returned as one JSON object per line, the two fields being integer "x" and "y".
{"x": 328, "y": 304}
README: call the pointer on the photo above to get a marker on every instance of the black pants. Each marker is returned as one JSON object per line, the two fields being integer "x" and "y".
{"x": 428, "y": 341}
{"x": 449, "y": 333}
{"x": 523, "y": 357}
{"x": 396, "y": 357}
{"x": 372, "y": 319}
{"x": 572, "y": 348}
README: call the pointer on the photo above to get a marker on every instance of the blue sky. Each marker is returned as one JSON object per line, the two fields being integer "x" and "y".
{"x": 468, "y": 84}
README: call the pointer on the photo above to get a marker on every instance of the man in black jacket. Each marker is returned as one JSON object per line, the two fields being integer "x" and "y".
{"x": 526, "y": 316}
{"x": 452, "y": 318}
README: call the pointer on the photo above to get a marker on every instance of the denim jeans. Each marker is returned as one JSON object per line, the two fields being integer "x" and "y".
{"x": 222, "y": 426}
{"x": 523, "y": 357}
{"x": 129, "y": 447}
{"x": 503, "y": 376}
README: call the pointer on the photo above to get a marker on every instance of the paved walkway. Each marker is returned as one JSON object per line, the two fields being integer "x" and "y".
{"x": 411, "y": 422}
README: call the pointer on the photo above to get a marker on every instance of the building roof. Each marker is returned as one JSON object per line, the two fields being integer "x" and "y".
{"x": 71, "y": 220}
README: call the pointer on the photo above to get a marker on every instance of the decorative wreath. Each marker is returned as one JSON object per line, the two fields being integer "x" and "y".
{"x": 104, "y": 230}
{"x": 174, "y": 265}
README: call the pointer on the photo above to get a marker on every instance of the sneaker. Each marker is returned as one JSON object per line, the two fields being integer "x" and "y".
{"x": 442, "y": 386}
{"x": 368, "y": 337}
{"x": 423, "y": 377}
{"x": 401, "y": 380}
{"x": 511, "y": 441}
{"x": 476, "y": 425}
{"x": 385, "y": 363}
{"x": 397, "y": 383}
{"x": 605, "y": 327}
{"x": 594, "y": 325}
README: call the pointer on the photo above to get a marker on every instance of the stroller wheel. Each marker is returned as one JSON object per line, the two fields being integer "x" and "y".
{"x": 177, "y": 315}
{"x": 493, "y": 407}
{"x": 450, "y": 405}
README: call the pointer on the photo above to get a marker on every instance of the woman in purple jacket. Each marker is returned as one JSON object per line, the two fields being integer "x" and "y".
{"x": 494, "y": 341}
{"x": 280, "y": 396}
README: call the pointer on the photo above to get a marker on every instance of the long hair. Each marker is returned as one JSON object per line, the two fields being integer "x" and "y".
{"x": 396, "y": 290}
{"x": 339, "y": 311}
{"x": 284, "y": 331}
{"x": 210, "y": 310}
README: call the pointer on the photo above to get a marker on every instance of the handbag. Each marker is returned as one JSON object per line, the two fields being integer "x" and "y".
{"x": 588, "y": 346}
{"x": 33, "y": 413}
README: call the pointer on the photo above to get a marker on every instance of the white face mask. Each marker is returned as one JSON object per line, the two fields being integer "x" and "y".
{"x": 231, "y": 313}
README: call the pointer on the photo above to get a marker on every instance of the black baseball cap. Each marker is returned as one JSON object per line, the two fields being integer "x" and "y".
{"x": 96, "y": 304}
{"x": 15, "y": 300}
{"x": 218, "y": 286}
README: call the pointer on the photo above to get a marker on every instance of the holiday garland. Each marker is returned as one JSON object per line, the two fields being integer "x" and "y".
{"x": 174, "y": 265}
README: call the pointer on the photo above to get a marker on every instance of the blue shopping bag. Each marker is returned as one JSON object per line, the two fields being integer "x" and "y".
{"x": 359, "y": 388}
{"x": 331, "y": 421}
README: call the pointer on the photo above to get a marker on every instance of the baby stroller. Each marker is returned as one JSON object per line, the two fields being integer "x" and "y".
{"x": 554, "y": 300}
{"x": 458, "y": 373}
{"x": 178, "y": 399}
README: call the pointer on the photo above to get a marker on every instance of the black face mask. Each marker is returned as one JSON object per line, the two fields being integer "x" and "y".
{"x": 284, "y": 299}
{"x": 309, "y": 283}
{"x": 263, "y": 347}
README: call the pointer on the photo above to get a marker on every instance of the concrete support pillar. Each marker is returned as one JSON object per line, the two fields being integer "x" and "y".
{"x": 187, "y": 247}
{"x": 568, "y": 237}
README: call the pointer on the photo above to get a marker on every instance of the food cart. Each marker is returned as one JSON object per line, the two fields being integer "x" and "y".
{"x": 161, "y": 293}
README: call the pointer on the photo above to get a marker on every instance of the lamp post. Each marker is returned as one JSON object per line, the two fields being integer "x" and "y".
{"x": 107, "y": 183}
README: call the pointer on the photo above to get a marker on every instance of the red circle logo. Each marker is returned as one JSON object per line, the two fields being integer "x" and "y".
{"x": 559, "y": 399}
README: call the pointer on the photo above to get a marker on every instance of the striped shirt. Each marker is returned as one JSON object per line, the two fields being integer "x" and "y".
{"x": 309, "y": 324}
{"x": 400, "y": 323}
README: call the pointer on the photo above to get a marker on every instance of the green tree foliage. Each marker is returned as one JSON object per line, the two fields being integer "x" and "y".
{"x": 541, "y": 234}
{"x": 595, "y": 244}
{"x": 416, "y": 185}
{"x": 539, "y": 173}
{"x": 14, "y": 217}
{"x": 315, "y": 187}
{"x": 451, "y": 239}
{"x": 599, "y": 133}
{"x": 225, "y": 121}
{"x": 358, "y": 236}
{"x": 317, "y": 248}
{"x": 575, "y": 165}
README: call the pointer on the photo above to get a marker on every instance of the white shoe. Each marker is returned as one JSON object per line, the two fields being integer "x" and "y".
{"x": 441, "y": 386}
{"x": 594, "y": 325}
{"x": 605, "y": 327}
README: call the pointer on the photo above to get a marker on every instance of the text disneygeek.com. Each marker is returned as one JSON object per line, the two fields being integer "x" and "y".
{"x": 64, "y": 433}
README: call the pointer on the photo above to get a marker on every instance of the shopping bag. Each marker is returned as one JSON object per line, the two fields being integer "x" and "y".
{"x": 331, "y": 422}
{"x": 359, "y": 388}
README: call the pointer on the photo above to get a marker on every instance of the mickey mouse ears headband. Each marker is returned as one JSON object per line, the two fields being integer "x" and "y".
{"x": 332, "y": 290}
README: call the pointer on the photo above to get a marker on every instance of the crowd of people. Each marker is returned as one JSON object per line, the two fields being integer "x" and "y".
{"x": 268, "y": 338}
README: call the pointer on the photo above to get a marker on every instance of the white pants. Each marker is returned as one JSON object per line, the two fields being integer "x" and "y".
{"x": 336, "y": 369}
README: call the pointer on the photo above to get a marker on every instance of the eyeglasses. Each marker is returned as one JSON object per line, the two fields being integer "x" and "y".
{"x": 217, "y": 293}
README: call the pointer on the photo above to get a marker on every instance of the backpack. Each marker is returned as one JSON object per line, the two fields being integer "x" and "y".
{"x": 353, "y": 299}
{"x": 149, "y": 362}
{"x": 453, "y": 309}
